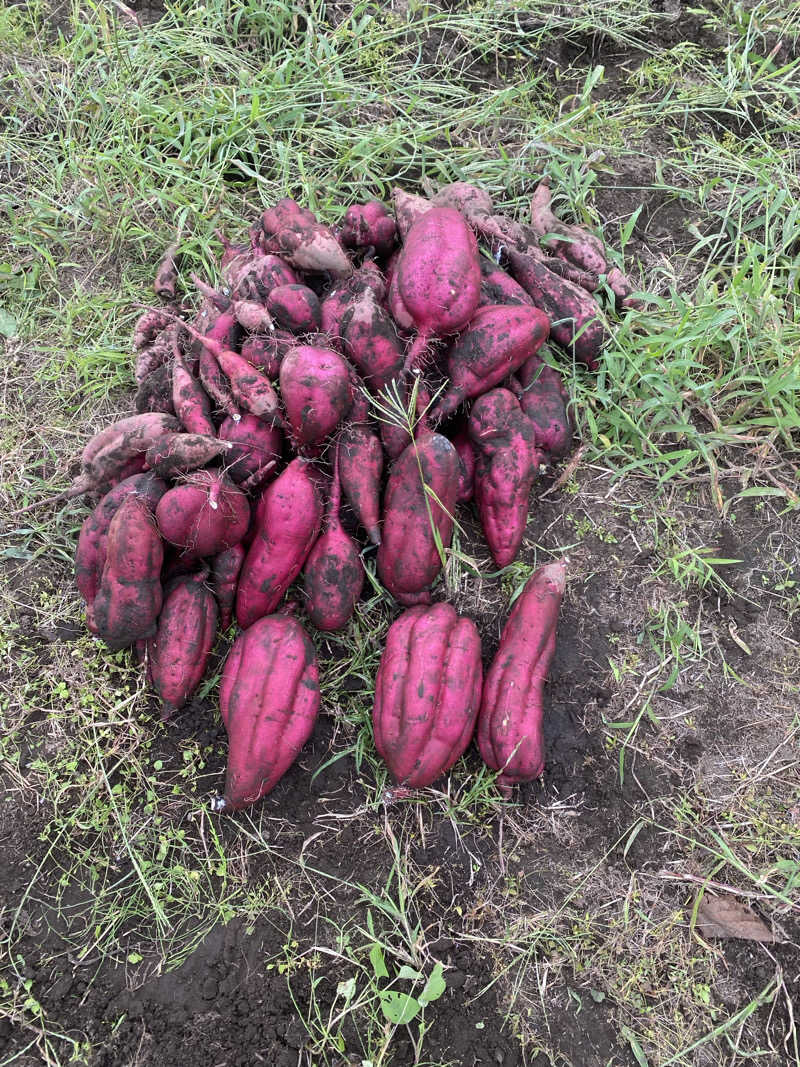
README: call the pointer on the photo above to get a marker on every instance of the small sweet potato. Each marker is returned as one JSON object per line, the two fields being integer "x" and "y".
{"x": 368, "y": 226}
{"x": 189, "y": 399}
{"x": 339, "y": 300}
{"x": 360, "y": 470}
{"x": 204, "y": 515}
{"x": 155, "y": 392}
{"x": 544, "y": 400}
{"x": 305, "y": 243}
{"x": 370, "y": 341}
{"x": 225, "y": 570}
{"x": 184, "y": 452}
{"x": 255, "y": 444}
{"x": 576, "y": 244}
{"x": 408, "y": 209}
{"x": 497, "y": 287}
{"x": 167, "y": 274}
{"x": 296, "y": 308}
{"x": 266, "y": 350}
{"x": 316, "y": 393}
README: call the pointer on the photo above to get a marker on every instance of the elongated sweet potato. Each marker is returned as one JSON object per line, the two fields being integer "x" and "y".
{"x": 204, "y": 515}
{"x": 505, "y": 469}
{"x": 575, "y": 322}
{"x": 90, "y": 555}
{"x": 544, "y": 400}
{"x": 289, "y": 518}
{"x": 438, "y": 277}
{"x": 510, "y": 721}
{"x": 184, "y": 452}
{"x": 497, "y": 341}
{"x": 190, "y": 401}
{"x": 255, "y": 444}
{"x": 408, "y": 557}
{"x": 316, "y": 393}
{"x": 251, "y": 314}
{"x": 150, "y": 324}
{"x": 368, "y": 226}
{"x": 466, "y": 470}
{"x": 370, "y": 341}
{"x": 155, "y": 392}
{"x": 129, "y": 599}
{"x": 295, "y": 308}
{"x": 178, "y": 652}
{"x": 427, "y": 693}
{"x": 225, "y": 570}
{"x": 167, "y": 274}
{"x": 269, "y": 699}
{"x": 497, "y": 287}
{"x": 576, "y": 244}
{"x": 333, "y": 575}
{"x": 360, "y": 470}
{"x": 153, "y": 356}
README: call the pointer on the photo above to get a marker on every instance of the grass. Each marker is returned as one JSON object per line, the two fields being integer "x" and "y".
{"x": 673, "y": 753}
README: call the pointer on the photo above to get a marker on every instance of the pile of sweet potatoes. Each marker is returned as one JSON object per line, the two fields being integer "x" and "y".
{"x": 335, "y": 385}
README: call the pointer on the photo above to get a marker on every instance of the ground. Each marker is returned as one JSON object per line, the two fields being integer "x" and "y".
{"x": 563, "y": 926}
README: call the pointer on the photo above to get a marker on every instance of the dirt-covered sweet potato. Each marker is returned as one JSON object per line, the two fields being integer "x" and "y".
{"x": 184, "y": 452}
{"x": 129, "y": 598}
{"x": 203, "y": 515}
{"x": 309, "y": 245}
{"x": 295, "y": 308}
{"x": 166, "y": 278}
{"x": 368, "y": 226}
{"x": 178, "y": 652}
{"x": 225, "y": 570}
{"x": 289, "y": 516}
{"x": 498, "y": 287}
{"x": 316, "y": 393}
{"x": 427, "y": 693}
{"x": 255, "y": 444}
{"x": 370, "y": 341}
{"x": 190, "y": 401}
{"x": 266, "y": 350}
{"x": 333, "y": 575}
{"x": 420, "y": 497}
{"x": 505, "y": 470}
{"x": 338, "y": 301}
{"x": 269, "y": 699}
{"x": 466, "y": 470}
{"x": 576, "y": 244}
{"x": 408, "y": 209}
{"x": 155, "y": 391}
{"x": 544, "y": 398}
{"x": 510, "y": 721}
{"x": 497, "y": 341}
{"x": 360, "y": 470}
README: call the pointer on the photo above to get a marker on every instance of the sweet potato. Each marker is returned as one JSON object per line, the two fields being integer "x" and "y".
{"x": 427, "y": 693}
{"x": 203, "y": 515}
{"x": 544, "y": 399}
{"x": 295, "y": 308}
{"x": 576, "y": 244}
{"x": 339, "y": 300}
{"x": 575, "y": 324}
{"x": 269, "y": 699}
{"x": 505, "y": 469}
{"x": 128, "y": 600}
{"x": 184, "y": 452}
{"x": 155, "y": 392}
{"x": 438, "y": 277}
{"x": 252, "y": 315}
{"x": 178, "y": 653}
{"x": 497, "y": 287}
{"x": 189, "y": 399}
{"x": 150, "y": 324}
{"x": 370, "y": 341}
{"x": 333, "y": 575}
{"x": 303, "y": 242}
{"x": 90, "y": 555}
{"x": 167, "y": 274}
{"x": 289, "y": 514}
{"x": 360, "y": 470}
{"x": 265, "y": 351}
{"x": 225, "y": 569}
{"x": 408, "y": 209}
{"x": 316, "y": 393}
{"x": 510, "y": 721}
{"x": 368, "y": 226}
{"x": 255, "y": 444}
{"x": 408, "y": 556}
{"x": 497, "y": 341}
{"x": 466, "y": 471}
{"x": 154, "y": 355}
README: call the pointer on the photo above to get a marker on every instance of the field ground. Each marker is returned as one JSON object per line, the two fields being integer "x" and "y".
{"x": 570, "y": 924}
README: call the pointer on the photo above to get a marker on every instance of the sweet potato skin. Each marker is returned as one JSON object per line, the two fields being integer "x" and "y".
{"x": 129, "y": 599}
{"x": 544, "y": 400}
{"x": 498, "y": 287}
{"x": 107, "y": 453}
{"x": 204, "y": 515}
{"x": 269, "y": 700}
{"x": 225, "y": 570}
{"x": 182, "y": 452}
{"x": 427, "y": 693}
{"x": 316, "y": 393}
{"x": 466, "y": 470}
{"x": 408, "y": 559}
{"x": 178, "y": 653}
{"x": 510, "y": 720}
{"x": 295, "y": 308}
{"x": 370, "y": 341}
{"x": 289, "y": 516}
{"x": 255, "y": 443}
{"x": 189, "y": 399}
{"x": 505, "y": 469}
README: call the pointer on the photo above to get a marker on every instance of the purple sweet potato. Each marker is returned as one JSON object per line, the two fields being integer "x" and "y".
{"x": 129, "y": 598}
{"x": 316, "y": 393}
{"x": 338, "y": 301}
{"x": 427, "y": 693}
{"x": 575, "y": 324}
{"x": 255, "y": 444}
{"x": 510, "y": 736}
{"x": 90, "y": 555}
{"x": 360, "y": 470}
{"x": 167, "y": 274}
{"x": 290, "y": 515}
{"x": 544, "y": 400}
{"x": 505, "y": 469}
{"x": 466, "y": 471}
{"x": 408, "y": 209}
{"x": 203, "y": 515}
{"x": 368, "y": 226}
{"x": 178, "y": 653}
{"x": 155, "y": 354}
{"x": 189, "y": 398}
{"x": 497, "y": 287}
{"x": 265, "y": 351}
{"x": 333, "y": 576}
{"x": 497, "y": 341}
{"x": 150, "y": 324}
{"x": 305, "y": 243}
{"x": 256, "y": 275}
{"x": 438, "y": 277}
{"x": 575, "y": 244}
{"x": 252, "y": 315}
{"x": 420, "y": 497}
{"x": 370, "y": 341}
{"x": 295, "y": 308}
{"x": 180, "y": 453}
{"x": 225, "y": 569}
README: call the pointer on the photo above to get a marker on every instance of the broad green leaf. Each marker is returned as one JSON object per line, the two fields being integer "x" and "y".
{"x": 399, "y": 1007}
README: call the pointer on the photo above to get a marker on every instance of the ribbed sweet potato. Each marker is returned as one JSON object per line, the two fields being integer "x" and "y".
{"x": 203, "y": 515}
{"x": 427, "y": 693}
{"x": 408, "y": 556}
{"x": 333, "y": 576}
{"x": 225, "y": 570}
{"x": 178, "y": 653}
{"x": 316, "y": 393}
{"x": 510, "y": 721}
{"x": 255, "y": 444}
{"x": 497, "y": 341}
{"x": 289, "y": 517}
{"x": 295, "y": 308}
{"x": 90, "y": 555}
{"x": 269, "y": 699}
{"x": 368, "y": 226}
{"x": 128, "y": 601}
{"x": 505, "y": 469}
